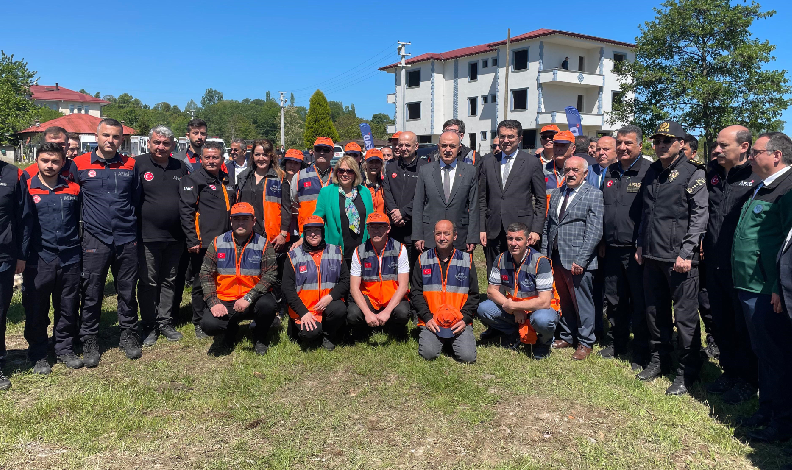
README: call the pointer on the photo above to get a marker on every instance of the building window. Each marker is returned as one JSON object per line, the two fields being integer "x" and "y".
{"x": 581, "y": 63}
{"x": 520, "y": 99}
{"x": 493, "y": 134}
{"x": 616, "y": 97}
{"x": 483, "y": 136}
{"x": 414, "y": 78}
{"x": 493, "y": 98}
{"x": 53, "y": 106}
{"x": 483, "y": 63}
{"x": 520, "y": 60}
{"x": 580, "y": 103}
{"x": 473, "y": 71}
{"x": 85, "y": 109}
{"x": 619, "y": 57}
{"x": 413, "y": 111}
{"x": 494, "y": 61}
{"x": 71, "y": 109}
{"x": 484, "y": 99}
{"x": 473, "y": 106}
{"x": 79, "y": 109}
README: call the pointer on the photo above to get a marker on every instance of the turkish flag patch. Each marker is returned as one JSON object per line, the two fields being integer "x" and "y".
{"x": 148, "y": 176}
{"x": 367, "y": 265}
{"x": 547, "y": 179}
{"x": 427, "y": 271}
{"x": 504, "y": 277}
{"x": 610, "y": 183}
{"x": 221, "y": 256}
{"x": 307, "y": 184}
{"x": 394, "y": 175}
{"x": 36, "y": 198}
{"x": 715, "y": 180}
{"x": 303, "y": 269}
{"x": 91, "y": 173}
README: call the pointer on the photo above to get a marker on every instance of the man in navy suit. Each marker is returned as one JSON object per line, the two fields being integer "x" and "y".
{"x": 606, "y": 156}
{"x": 572, "y": 231}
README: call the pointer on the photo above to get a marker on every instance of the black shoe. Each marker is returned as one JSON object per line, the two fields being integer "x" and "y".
{"x": 722, "y": 384}
{"x": 651, "y": 372}
{"x": 170, "y": 333}
{"x": 130, "y": 345}
{"x": 71, "y": 360}
{"x": 150, "y": 337}
{"x": 511, "y": 343}
{"x": 608, "y": 352}
{"x": 760, "y": 418}
{"x": 489, "y": 335}
{"x": 260, "y": 348}
{"x": 742, "y": 391}
{"x": 42, "y": 367}
{"x": 769, "y": 434}
{"x": 91, "y": 354}
{"x": 327, "y": 344}
{"x": 5, "y": 382}
{"x": 276, "y": 323}
{"x": 199, "y": 333}
{"x": 679, "y": 386}
{"x": 540, "y": 352}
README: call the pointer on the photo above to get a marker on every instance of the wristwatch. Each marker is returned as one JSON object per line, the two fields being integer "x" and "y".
{"x": 248, "y": 298}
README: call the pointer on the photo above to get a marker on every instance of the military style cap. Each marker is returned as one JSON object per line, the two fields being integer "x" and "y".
{"x": 670, "y": 129}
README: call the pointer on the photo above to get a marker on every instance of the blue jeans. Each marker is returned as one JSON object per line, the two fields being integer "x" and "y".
{"x": 770, "y": 333}
{"x": 543, "y": 321}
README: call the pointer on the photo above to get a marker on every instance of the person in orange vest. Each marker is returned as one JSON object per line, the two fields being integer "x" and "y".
{"x": 372, "y": 169}
{"x": 379, "y": 277}
{"x": 306, "y": 184}
{"x": 292, "y": 163}
{"x": 237, "y": 276}
{"x": 520, "y": 296}
{"x": 315, "y": 282}
{"x": 564, "y": 147}
{"x": 444, "y": 294}
{"x": 260, "y": 185}
{"x": 353, "y": 150}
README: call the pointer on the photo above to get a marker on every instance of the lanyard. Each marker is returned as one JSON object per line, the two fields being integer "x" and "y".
{"x": 623, "y": 171}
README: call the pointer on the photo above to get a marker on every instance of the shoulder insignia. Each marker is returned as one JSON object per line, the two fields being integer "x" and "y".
{"x": 698, "y": 184}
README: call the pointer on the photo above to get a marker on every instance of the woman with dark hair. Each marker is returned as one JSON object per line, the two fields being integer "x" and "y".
{"x": 372, "y": 168}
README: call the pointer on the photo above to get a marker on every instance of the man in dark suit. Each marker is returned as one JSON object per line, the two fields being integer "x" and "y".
{"x": 447, "y": 189}
{"x": 511, "y": 190}
{"x": 572, "y": 231}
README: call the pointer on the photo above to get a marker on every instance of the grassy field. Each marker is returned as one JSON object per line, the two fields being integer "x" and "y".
{"x": 372, "y": 405}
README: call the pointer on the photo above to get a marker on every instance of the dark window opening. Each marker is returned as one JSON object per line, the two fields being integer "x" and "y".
{"x": 473, "y": 71}
{"x": 519, "y": 99}
{"x": 414, "y": 78}
{"x": 413, "y": 111}
{"x": 521, "y": 59}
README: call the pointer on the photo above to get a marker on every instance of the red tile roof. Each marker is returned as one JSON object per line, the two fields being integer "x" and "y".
{"x": 49, "y": 93}
{"x": 77, "y": 123}
{"x": 489, "y": 47}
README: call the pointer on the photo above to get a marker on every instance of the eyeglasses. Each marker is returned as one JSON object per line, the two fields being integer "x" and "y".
{"x": 344, "y": 171}
{"x": 757, "y": 152}
{"x": 323, "y": 150}
{"x": 234, "y": 150}
{"x": 547, "y": 136}
{"x": 493, "y": 147}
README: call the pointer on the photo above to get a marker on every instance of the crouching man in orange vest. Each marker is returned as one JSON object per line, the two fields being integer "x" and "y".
{"x": 315, "y": 282}
{"x": 237, "y": 276}
{"x": 520, "y": 293}
{"x": 444, "y": 294}
{"x": 379, "y": 277}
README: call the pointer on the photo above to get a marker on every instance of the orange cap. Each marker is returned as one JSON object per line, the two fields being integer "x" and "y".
{"x": 314, "y": 221}
{"x": 564, "y": 137}
{"x": 324, "y": 141}
{"x": 550, "y": 128}
{"x": 294, "y": 154}
{"x": 374, "y": 153}
{"x": 242, "y": 208}
{"x": 396, "y": 135}
{"x": 377, "y": 218}
{"x": 353, "y": 147}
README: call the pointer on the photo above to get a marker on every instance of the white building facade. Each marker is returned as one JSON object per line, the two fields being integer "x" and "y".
{"x": 469, "y": 84}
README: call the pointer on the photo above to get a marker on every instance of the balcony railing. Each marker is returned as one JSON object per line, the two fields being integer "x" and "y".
{"x": 554, "y": 117}
{"x": 571, "y": 78}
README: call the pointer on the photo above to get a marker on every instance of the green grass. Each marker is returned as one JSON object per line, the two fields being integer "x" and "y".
{"x": 372, "y": 405}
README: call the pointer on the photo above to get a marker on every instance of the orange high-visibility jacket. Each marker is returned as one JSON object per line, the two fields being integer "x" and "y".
{"x": 314, "y": 282}
{"x": 308, "y": 186}
{"x": 451, "y": 290}
{"x": 379, "y": 285}
{"x": 237, "y": 273}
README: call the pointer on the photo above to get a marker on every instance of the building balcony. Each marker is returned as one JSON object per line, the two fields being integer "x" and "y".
{"x": 571, "y": 78}
{"x": 555, "y": 117}
{"x": 391, "y": 98}
{"x": 391, "y": 129}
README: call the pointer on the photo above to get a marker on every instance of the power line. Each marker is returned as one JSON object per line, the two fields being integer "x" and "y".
{"x": 379, "y": 55}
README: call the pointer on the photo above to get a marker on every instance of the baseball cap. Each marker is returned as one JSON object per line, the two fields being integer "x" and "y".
{"x": 564, "y": 137}
{"x": 550, "y": 128}
{"x": 294, "y": 154}
{"x": 670, "y": 129}
{"x": 446, "y": 317}
{"x": 327, "y": 141}
{"x": 374, "y": 153}
{"x": 242, "y": 208}
{"x": 353, "y": 147}
{"x": 396, "y": 135}
{"x": 314, "y": 221}
{"x": 377, "y": 218}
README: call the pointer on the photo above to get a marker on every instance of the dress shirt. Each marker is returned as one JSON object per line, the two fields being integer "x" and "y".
{"x": 507, "y": 162}
{"x": 569, "y": 201}
{"x": 451, "y": 173}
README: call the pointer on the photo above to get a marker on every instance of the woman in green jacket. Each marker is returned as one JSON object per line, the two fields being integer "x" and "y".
{"x": 344, "y": 205}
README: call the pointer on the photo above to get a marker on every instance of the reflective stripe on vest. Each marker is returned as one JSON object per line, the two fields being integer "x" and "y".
{"x": 312, "y": 282}
{"x": 375, "y": 284}
{"x": 451, "y": 290}
{"x": 470, "y": 158}
{"x": 308, "y": 186}
{"x": 236, "y": 275}
{"x": 272, "y": 207}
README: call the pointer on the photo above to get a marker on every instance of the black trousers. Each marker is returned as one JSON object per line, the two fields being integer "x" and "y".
{"x": 6, "y": 292}
{"x": 624, "y": 297}
{"x": 333, "y": 320}
{"x": 737, "y": 359}
{"x": 705, "y": 306}
{"x": 180, "y": 282}
{"x": 357, "y": 321}
{"x": 495, "y": 246}
{"x": 662, "y": 286}
{"x": 263, "y": 311}
{"x": 98, "y": 257}
{"x": 159, "y": 265}
{"x": 41, "y": 280}
{"x": 198, "y": 304}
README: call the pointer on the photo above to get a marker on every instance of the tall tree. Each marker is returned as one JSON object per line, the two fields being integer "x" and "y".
{"x": 318, "y": 122}
{"x": 379, "y": 125}
{"x": 15, "y": 106}
{"x": 697, "y": 63}
{"x": 211, "y": 97}
{"x": 291, "y": 99}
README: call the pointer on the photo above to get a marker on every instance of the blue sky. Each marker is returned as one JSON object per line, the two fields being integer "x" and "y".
{"x": 173, "y": 51}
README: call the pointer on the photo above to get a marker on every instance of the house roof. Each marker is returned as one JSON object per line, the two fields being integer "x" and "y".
{"x": 489, "y": 47}
{"x": 77, "y": 123}
{"x": 58, "y": 93}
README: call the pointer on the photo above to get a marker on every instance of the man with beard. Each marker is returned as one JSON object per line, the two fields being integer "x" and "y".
{"x": 196, "y": 133}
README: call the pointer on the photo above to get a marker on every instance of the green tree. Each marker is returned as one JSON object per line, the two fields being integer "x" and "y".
{"x": 96, "y": 95}
{"x": 16, "y": 109}
{"x": 697, "y": 63}
{"x": 293, "y": 129}
{"x": 336, "y": 110}
{"x": 318, "y": 122}
{"x": 379, "y": 125}
{"x": 348, "y": 127}
{"x": 211, "y": 97}
{"x": 291, "y": 99}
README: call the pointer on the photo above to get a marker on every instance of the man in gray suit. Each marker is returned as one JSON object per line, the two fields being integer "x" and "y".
{"x": 447, "y": 189}
{"x": 572, "y": 231}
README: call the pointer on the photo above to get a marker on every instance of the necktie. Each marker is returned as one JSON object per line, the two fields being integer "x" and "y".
{"x": 506, "y": 167}
{"x": 447, "y": 182}
{"x": 564, "y": 204}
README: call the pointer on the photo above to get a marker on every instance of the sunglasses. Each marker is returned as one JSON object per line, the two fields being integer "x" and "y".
{"x": 344, "y": 171}
{"x": 493, "y": 147}
{"x": 323, "y": 150}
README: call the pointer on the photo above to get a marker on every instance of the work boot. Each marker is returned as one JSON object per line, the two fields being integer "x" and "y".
{"x": 652, "y": 371}
{"x": 722, "y": 384}
{"x": 42, "y": 367}
{"x": 130, "y": 345}
{"x": 150, "y": 336}
{"x": 679, "y": 386}
{"x": 261, "y": 348}
{"x": 170, "y": 333}
{"x": 5, "y": 382}
{"x": 327, "y": 344}
{"x": 540, "y": 351}
{"x": 199, "y": 333}
{"x": 489, "y": 335}
{"x": 91, "y": 354}
{"x": 608, "y": 352}
{"x": 71, "y": 360}
{"x": 740, "y": 392}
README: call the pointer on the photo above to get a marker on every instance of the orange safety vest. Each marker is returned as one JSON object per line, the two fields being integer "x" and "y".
{"x": 308, "y": 186}
{"x": 553, "y": 180}
{"x": 314, "y": 282}
{"x": 522, "y": 286}
{"x": 237, "y": 273}
{"x": 377, "y": 198}
{"x": 379, "y": 284}
{"x": 272, "y": 207}
{"x": 451, "y": 289}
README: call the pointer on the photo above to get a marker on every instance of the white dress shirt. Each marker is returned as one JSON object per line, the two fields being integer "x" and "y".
{"x": 569, "y": 201}
{"x": 507, "y": 162}
{"x": 451, "y": 173}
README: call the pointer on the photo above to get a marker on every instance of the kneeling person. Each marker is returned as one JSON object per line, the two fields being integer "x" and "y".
{"x": 315, "y": 281}
{"x": 237, "y": 275}
{"x": 379, "y": 276}
{"x": 445, "y": 296}
{"x": 520, "y": 294}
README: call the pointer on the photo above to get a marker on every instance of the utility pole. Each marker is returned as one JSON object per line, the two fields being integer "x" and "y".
{"x": 506, "y": 84}
{"x": 403, "y": 55}
{"x": 282, "y": 107}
